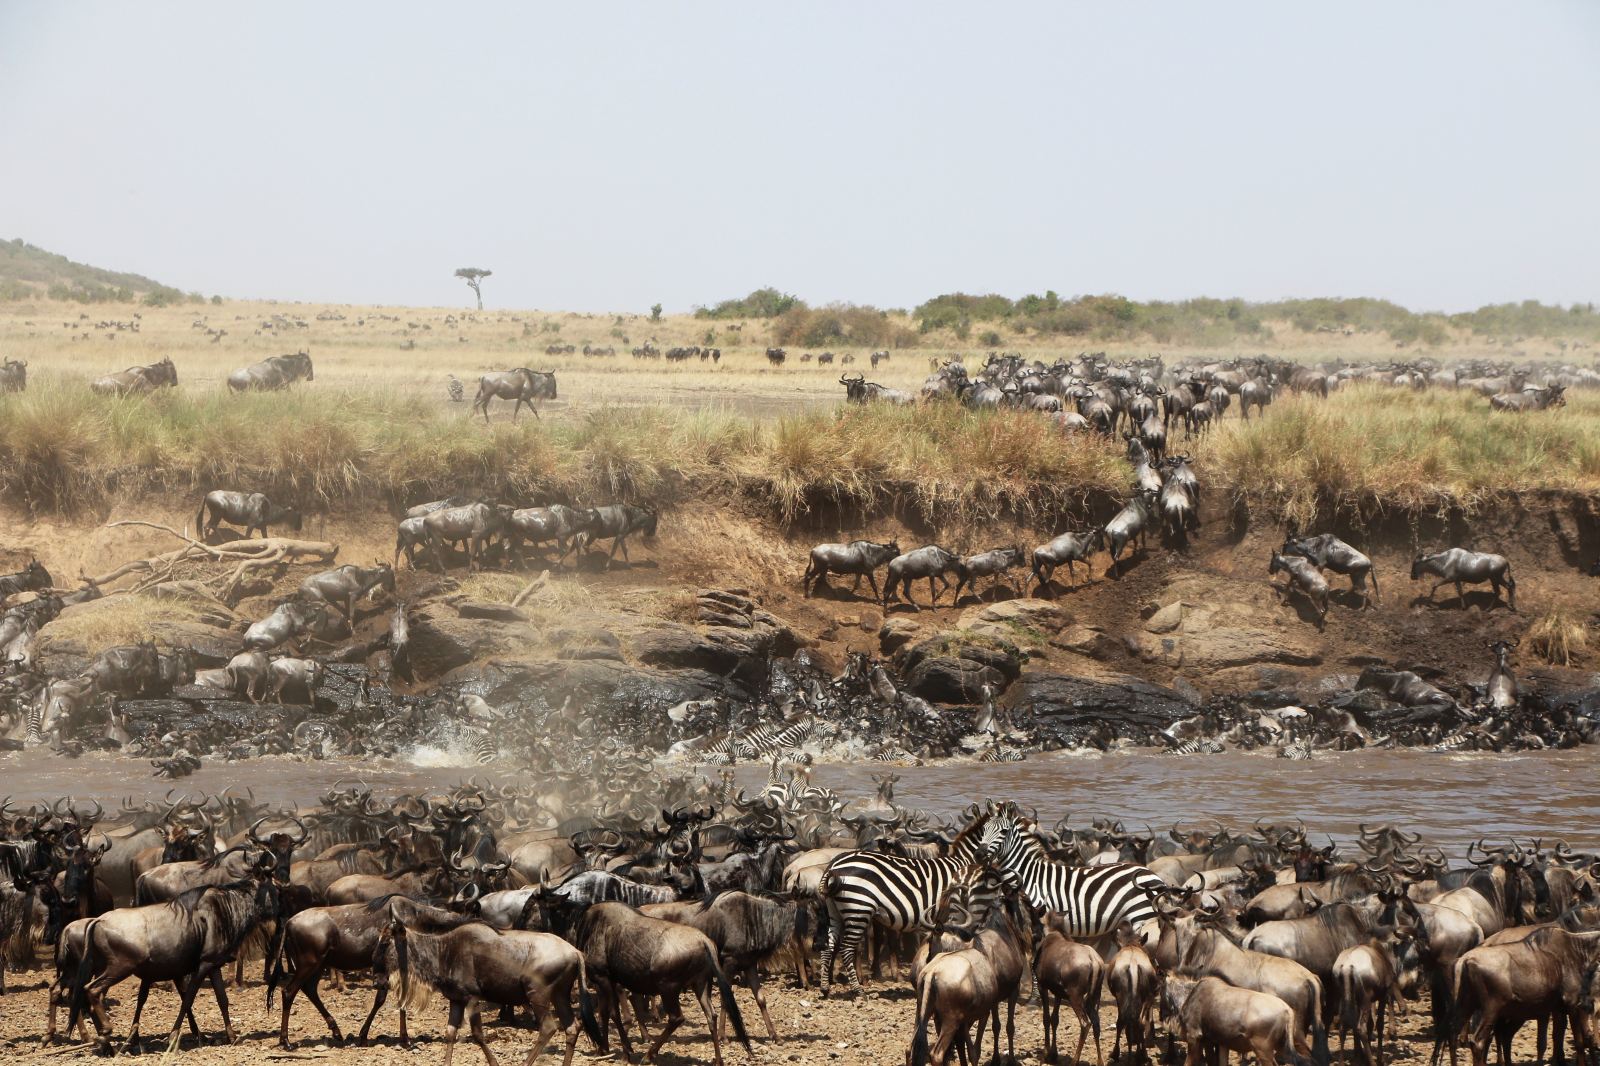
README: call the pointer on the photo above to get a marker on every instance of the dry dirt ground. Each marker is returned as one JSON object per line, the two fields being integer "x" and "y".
{"x": 1235, "y": 635}
{"x": 872, "y": 1030}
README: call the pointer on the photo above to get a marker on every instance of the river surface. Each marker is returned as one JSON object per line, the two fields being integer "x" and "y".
{"x": 1450, "y": 799}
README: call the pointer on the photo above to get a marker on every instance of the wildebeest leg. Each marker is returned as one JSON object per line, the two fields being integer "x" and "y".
{"x": 933, "y": 593}
{"x": 1434, "y": 591}
{"x": 873, "y": 581}
{"x": 316, "y": 1001}
{"x": 544, "y": 1015}
{"x": 380, "y": 992}
{"x": 674, "y": 1019}
{"x": 453, "y": 1030}
{"x": 1461, "y": 594}
{"x": 476, "y": 1022}
{"x": 753, "y": 978}
{"x": 217, "y": 986}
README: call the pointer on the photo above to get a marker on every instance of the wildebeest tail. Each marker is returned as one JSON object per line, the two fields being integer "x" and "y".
{"x": 200, "y": 520}
{"x": 274, "y": 969}
{"x": 919, "y": 1042}
{"x": 730, "y": 1006}
{"x": 80, "y": 980}
{"x": 591, "y": 1025}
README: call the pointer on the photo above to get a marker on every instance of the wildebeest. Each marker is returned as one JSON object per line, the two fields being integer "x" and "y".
{"x": 1543, "y": 975}
{"x": 409, "y": 535}
{"x": 1135, "y": 986}
{"x": 288, "y": 623}
{"x": 474, "y": 523}
{"x": 1129, "y": 525}
{"x": 343, "y": 938}
{"x": 137, "y": 379}
{"x": 1501, "y": 691}
{"x": 1304, "y": 577}
{"x": 473, "y": 963}
{"x": 626, "y": 950}
{"x": 252, "y": 510}
{"x": 776, "y": 356}
{"x": 1254, "y": 393}
{"x": 272, "y": 373}
{"x": 746, "y": 929}
{"x": 1458, "y": 566}
{"x": 1530, "y": 399}
{"x": 1179, "y": 515}
{"x": 13, "y": 376}
{"x": 539, "y": 525}
{"x": 1068, "y": 548}
{"x": 186, "y": 940}
{"x": 1328, "y": 552}
{"x": 859, "y": 557}
{"x": 30, "y": 578}
{"x": 859, "y": 390}
{"x": 522, "y": 386}
{"x": 1213, "y": 1016}
{"x": 619, "y": 522}
{"x": 1065, "y": 969}
{"x": 988, "y": 564}
{"x": 929, "y": 561}
{"x": 302, "y": 677}
{"x": 342, "y": 586}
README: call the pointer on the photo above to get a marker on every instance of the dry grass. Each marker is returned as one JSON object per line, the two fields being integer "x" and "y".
{"x": 122, "y": 619}
{"x": 375, "y": 426}
{"x": 1558, "y": 636}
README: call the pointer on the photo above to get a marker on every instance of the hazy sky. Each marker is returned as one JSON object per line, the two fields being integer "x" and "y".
{"x": 605, "y": 156}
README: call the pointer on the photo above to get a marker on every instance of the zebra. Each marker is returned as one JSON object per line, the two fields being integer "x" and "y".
{"x": 1197, "y": 746}
{"x": 1298, "y": 750}
{"x": 863, "y": 887}
{"x": 995, "y": 753}
{"x": 764, "y": 742}
{"x": 483, "y": 748}
{"x": 1093, "y": 900}
{"x": 458, "y": 391}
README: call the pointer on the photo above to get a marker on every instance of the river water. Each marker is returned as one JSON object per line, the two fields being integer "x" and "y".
{"x": 1450, "y": 799}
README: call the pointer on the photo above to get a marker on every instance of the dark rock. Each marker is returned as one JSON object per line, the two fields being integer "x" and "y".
{"x": 1070, "y": 709}
{"x": 441, "y": 641}
{"x": 954, "y": 667}
{"x": 896, "y": 633}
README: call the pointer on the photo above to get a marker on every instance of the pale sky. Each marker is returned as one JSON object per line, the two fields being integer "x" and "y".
{"x": 605, "y": 156}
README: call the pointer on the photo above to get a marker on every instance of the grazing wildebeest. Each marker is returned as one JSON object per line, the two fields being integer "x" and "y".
{"x": 619, "y": 522}
{"x": 859, "y": 557}
{"x": 1458, "y": 566}
{"x": 342, "y": 586}
{"x": 929, "y": 561}
{"x": 1530, "y": 399}
{"x": 137, "y": 379}
{"x": 1068, "y": 548}
{"x": 628, "y": 951}
{"x": 1303, "y": 576}
{"x": 776, "y": 356}
{"x": 13, "y": 376}
{"x": 1129, "y": 525}
{"x": 29, "y": 579}
{"x": 474, "y": 523}
{"x": 1329, "y": 552}
{"x": 523, "y": 386}
{"x": 988, "y": 564}
{"x": 272, "y": 373}
{"x": 252, "y": 510}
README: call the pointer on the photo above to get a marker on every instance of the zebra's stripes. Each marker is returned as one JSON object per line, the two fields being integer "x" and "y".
{"x": 1093, "y": 900}
{"x": 483, "y": 748}
{"x": 862, "y": 887}
{"x": 764, "y": 742}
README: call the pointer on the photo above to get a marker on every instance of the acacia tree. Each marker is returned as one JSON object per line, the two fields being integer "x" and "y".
{"x": 474, "y": 276}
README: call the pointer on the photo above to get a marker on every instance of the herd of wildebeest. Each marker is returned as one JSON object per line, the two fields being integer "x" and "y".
{"x": 590, "y": 902}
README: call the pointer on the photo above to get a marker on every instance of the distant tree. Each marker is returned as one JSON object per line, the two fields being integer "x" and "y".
{"x": 473, "y": 276}
{"x": 655, "y": 312}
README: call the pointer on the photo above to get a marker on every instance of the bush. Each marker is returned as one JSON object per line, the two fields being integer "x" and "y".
{"x": 989, "y": 338}
{"x": 762, "y": 303}
{"x": 836, "y": 324}
{"x": 655, "y": 312}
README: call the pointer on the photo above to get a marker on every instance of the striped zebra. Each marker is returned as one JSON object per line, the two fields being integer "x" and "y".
{"x": 995, "y": 753}
{"x": 763, "y": 742}
{"x": 1093, "y": 900}
{"x": 458, "y": 392}
{"x": 864, "y": 887}
{"x": 483, "y": 748}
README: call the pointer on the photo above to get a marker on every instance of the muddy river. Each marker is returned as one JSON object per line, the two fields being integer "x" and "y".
{"x": 1450, "y": 799}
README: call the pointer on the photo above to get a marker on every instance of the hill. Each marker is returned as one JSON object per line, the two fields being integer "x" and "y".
{"x": 29, "y": 271}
